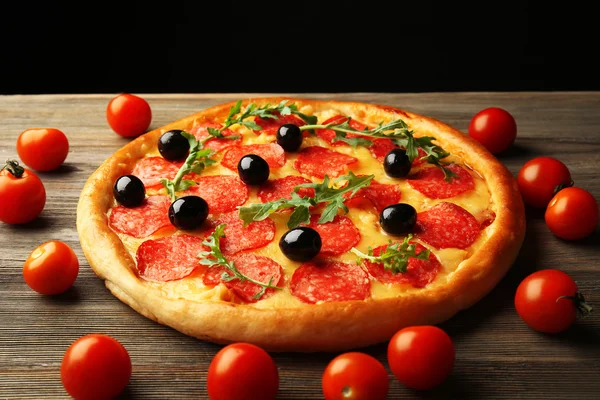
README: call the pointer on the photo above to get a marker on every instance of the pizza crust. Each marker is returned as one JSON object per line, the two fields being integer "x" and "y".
{"x": 311, "y": 327}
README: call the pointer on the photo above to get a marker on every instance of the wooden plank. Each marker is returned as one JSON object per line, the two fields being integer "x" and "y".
{"x": 497, "y": 355}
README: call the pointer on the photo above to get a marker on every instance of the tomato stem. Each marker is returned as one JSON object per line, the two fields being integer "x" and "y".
{"x": 561, "y": 186}
{"x": 579, "y": 301}
{"x": 14, "y": 168}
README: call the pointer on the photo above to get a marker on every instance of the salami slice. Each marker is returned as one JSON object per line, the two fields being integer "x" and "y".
{"x": 201, "y": 133}
{"x": 329, "y": 280}
{"x": 141, "y": 221}
{"x": 447, "y": 225}
{"x": 431, "y": 182}
{"x": 337, "y": 236}
{"x": 318, "y": 161}
{"x": 329, "y": 134}
{"x": 272, "y": 153}
{"x": 381, "y": 147}
{"x": 169, "y": 258}
{"x": 223, "y": 193}
{"x": 256, "y": 267}
{"x": 151, "y": 169}
{"x": 239, "y": 237}
{"x": 271, "y": 125}
{"x": 419, "y": 273}
{"x": 282, "y": 188}
{"x": 379, "y": 194}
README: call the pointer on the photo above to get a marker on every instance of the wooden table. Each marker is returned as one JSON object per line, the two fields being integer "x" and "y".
{"x": 497, "y": 355}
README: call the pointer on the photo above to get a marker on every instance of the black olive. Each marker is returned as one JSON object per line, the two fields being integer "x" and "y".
{"x": 253, "y": 170}
{"x": 289, "y": 136}
{"x": 398, "y": 219}
{"x": 188, "y": 213}
{"x": 396, "y": 163}
{"x": 129, "y": 191}
{"x": 173, "y": 146}
{"x": 300, "y": 244}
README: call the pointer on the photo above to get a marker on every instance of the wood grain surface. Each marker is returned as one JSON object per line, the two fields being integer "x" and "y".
{"x": 497, "y": 356}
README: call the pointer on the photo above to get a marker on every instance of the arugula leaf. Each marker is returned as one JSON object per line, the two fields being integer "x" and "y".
{"x": 395, "y": 255}
{"x": 215, "y": 258}
{"x": 261, "y": 211}
{"x": 354, "y": 142}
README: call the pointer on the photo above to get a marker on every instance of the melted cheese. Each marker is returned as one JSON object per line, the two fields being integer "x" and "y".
{"x": 477, "y": 202}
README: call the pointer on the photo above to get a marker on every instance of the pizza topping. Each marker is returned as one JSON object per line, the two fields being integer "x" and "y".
{"x": 447, "y": 225}
{"x": 333, "y": 197}
{"x": 301, "y": 244}
{"x": 330, "y": 136}
{"x": 338, "y": 236}
{"x": 431, "y": 182}
{"x": 168, "y": 258}
{"x": 272, "y": 153}
{"x": 270, "y": 126}
{"x": 328, "y": 281}
{"x": 150, "y": 170}
{"x": 282, "y": 188}
{"x": 394, "y": 257}
{"x": 188, "y": 213}
{"x": 379, "y": 194}
{"x": 397, "y": 164}
{"x": 318, "y": 161}
{"x": 398, "y": 219}
{"x": 213, "y": 188}
{"x": 173, "y": 146}
{"x": 381, "y": 148}
{"x": 289, "y": 137}
{"x": 252, "y": 281}
{"x": 253, "y": 169}
{"x": 215, "y": 142}
{"x": 141, "y": 221}
{"x": 239, "y": 237}
{"x": 129, "y": 191}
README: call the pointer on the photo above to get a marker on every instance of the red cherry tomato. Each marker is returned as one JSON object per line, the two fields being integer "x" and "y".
{"x": 494, "y": 128}
{"x": 421, "y": 357}
{"x": 242, "y": 371}
{"x": 95, "y": 367}
{"x": 128, "y": 115}
{"x": 43, "y": 149}
{"x": 51, "y": 268}
{"x": 539, "y": 178}
{"x": 355, "y": 376}
{"x": 547, "y": 301}
{"x": 22, "y": 194}
{"x": 572, "y": 214}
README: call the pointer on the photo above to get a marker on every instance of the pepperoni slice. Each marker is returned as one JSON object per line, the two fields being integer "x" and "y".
{"x": 272, "y": 153}
{"x": 151, "y": 169}
{"x": 329, "y": 280}
{"x": 169, "y": 258}
{"x": 379, "y": 194}
{"x": 141, "y": 221}
{"x": 223, "y": 193}
{"x": 337, "y": 236}
{"x": 201, "y": 133}
{"x": 239, "y": 237}
{"x": 259, "y": 268}
{"x": 431, "y": 182}
{"x": 447, "y": 225}
{"x": 271, "y": 125}
{"x": 381, "y": 147}
{"x": 282, "y": 188}
{"x": 419, "y": 273}
{"x": 329, "y": 134}
{"x": 318, "y": 161}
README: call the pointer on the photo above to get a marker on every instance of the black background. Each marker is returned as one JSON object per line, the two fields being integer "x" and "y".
{"x": 302, "y": 46}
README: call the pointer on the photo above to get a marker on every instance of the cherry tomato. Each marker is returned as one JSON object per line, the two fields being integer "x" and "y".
{"x": 22, "y": 194}
{"x": 95, "y": 367}
{"x": 43, "y": 149}
{"x": 421, "y": 357}
{"x": 572, "y": 214}
{"x": 51, "y": 268}
{"x": 494, "y": 128}
{"x": 540, "y": 178}
{"x": 128, "y": 115}
{"x": 548, "y": 300}
{"x": 242, "y": 371}
{"x": 355, "y": 376}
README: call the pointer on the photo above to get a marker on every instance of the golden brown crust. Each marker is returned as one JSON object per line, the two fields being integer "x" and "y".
{"x": 319, "y": 327}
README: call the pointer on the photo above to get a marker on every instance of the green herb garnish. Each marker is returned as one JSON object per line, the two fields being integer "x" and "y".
{"x": 395, "y": 255}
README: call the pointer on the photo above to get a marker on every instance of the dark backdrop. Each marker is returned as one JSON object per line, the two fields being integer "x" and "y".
{"x": 307, "y": 46}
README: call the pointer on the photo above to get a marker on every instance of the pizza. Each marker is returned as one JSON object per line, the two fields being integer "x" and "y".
{"x": 300, "y": 225}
